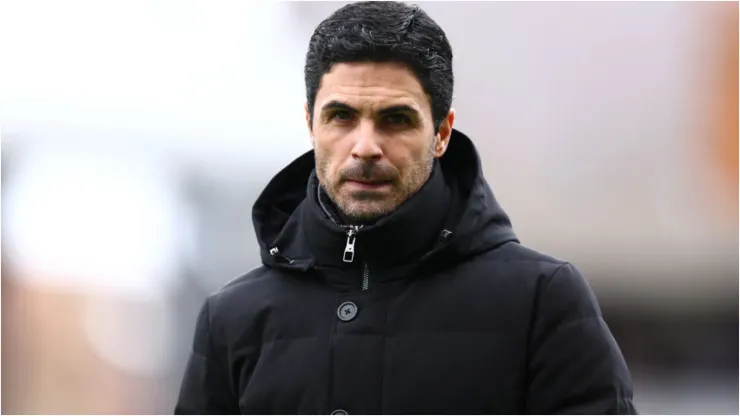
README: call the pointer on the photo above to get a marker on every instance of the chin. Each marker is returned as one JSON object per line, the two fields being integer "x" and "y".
{"x": 369, "y": 212}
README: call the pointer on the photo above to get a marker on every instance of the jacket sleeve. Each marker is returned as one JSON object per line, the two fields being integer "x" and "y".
{"x": 205, "y": 387}
{"x": 575, "y": 365}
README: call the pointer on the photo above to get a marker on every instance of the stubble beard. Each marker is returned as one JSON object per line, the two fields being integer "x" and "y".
{"x": 365, "y": 207}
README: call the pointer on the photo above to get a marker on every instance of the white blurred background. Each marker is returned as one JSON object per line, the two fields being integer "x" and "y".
{"x": 137, "y": 134}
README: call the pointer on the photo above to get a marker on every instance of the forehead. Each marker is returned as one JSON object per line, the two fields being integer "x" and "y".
{"x": 371, "y": 84}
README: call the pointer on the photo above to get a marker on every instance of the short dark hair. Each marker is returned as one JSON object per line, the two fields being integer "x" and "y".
{"x": 384, "y": 31}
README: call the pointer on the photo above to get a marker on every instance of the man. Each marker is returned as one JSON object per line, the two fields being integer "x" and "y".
{"x": 392, "y": 281}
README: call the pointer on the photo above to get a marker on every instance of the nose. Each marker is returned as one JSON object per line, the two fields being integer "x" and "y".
{"x": 366, "y": 144}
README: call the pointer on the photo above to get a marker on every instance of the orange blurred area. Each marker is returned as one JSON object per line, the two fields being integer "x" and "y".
{"x": 49, "y": 363}
{"x": 608, "y": 131}
{"x": 726, "y": 88}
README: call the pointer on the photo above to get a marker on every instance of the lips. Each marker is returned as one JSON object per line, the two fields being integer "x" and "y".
{"x": 368, "y": 184}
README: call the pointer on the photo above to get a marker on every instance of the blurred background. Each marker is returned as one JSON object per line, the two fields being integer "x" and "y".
{"x": 137, "y": 134}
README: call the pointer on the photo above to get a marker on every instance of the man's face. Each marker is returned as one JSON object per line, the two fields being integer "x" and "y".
{"x": 374, "y": 137}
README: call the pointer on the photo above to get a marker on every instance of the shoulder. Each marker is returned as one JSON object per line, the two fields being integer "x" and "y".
{"x": 560, "y": 288}
{"x": 244, "y": 280}
{"x": 549, "y": 277}
{"x": 519, "y": 261}
{"x": 514, "y": 252}
{"x": 243, "y": 295}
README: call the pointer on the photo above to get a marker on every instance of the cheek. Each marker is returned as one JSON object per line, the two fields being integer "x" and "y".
{"x": 331, "y": 152}
{"x": 327, "y": 164}
{"x": 405, "y": 158}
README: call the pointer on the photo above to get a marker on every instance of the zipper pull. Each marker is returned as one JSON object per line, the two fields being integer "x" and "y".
{"x": 275, "y": 252}
{"x": 349, "y": 248}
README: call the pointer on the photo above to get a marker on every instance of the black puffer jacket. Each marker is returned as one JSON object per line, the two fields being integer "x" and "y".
{"x": 436, "y": 308}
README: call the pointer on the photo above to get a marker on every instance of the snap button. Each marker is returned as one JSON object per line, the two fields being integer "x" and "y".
{"x": 339, "y": 412}
{"x": 347, "y": 312}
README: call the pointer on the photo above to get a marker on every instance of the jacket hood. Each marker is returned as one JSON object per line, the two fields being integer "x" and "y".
{"x": 454, "y": 216}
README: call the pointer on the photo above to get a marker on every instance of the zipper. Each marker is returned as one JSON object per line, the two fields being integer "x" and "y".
{"x": 365, "y": 277}
{"x": 349, "y": 247}
{"x": 349, "y": 254}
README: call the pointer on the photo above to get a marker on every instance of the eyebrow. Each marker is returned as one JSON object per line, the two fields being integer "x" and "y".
{"x": 401, "y": 108}
{"x": 338, "y": 105}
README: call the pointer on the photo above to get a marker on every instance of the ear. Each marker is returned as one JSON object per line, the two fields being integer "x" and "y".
{"x": 443, "y": 135}
{"x": 308, "y": 122}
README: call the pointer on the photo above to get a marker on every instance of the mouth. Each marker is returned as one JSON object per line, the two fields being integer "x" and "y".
{"x": 369, "y": 185}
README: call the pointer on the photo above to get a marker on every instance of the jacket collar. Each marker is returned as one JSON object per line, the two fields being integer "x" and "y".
{"x": 452, "y": 217}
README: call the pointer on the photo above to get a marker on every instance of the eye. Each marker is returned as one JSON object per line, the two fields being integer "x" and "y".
{"x": 342, "y": 116}
{"x": 398, "y": 119}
